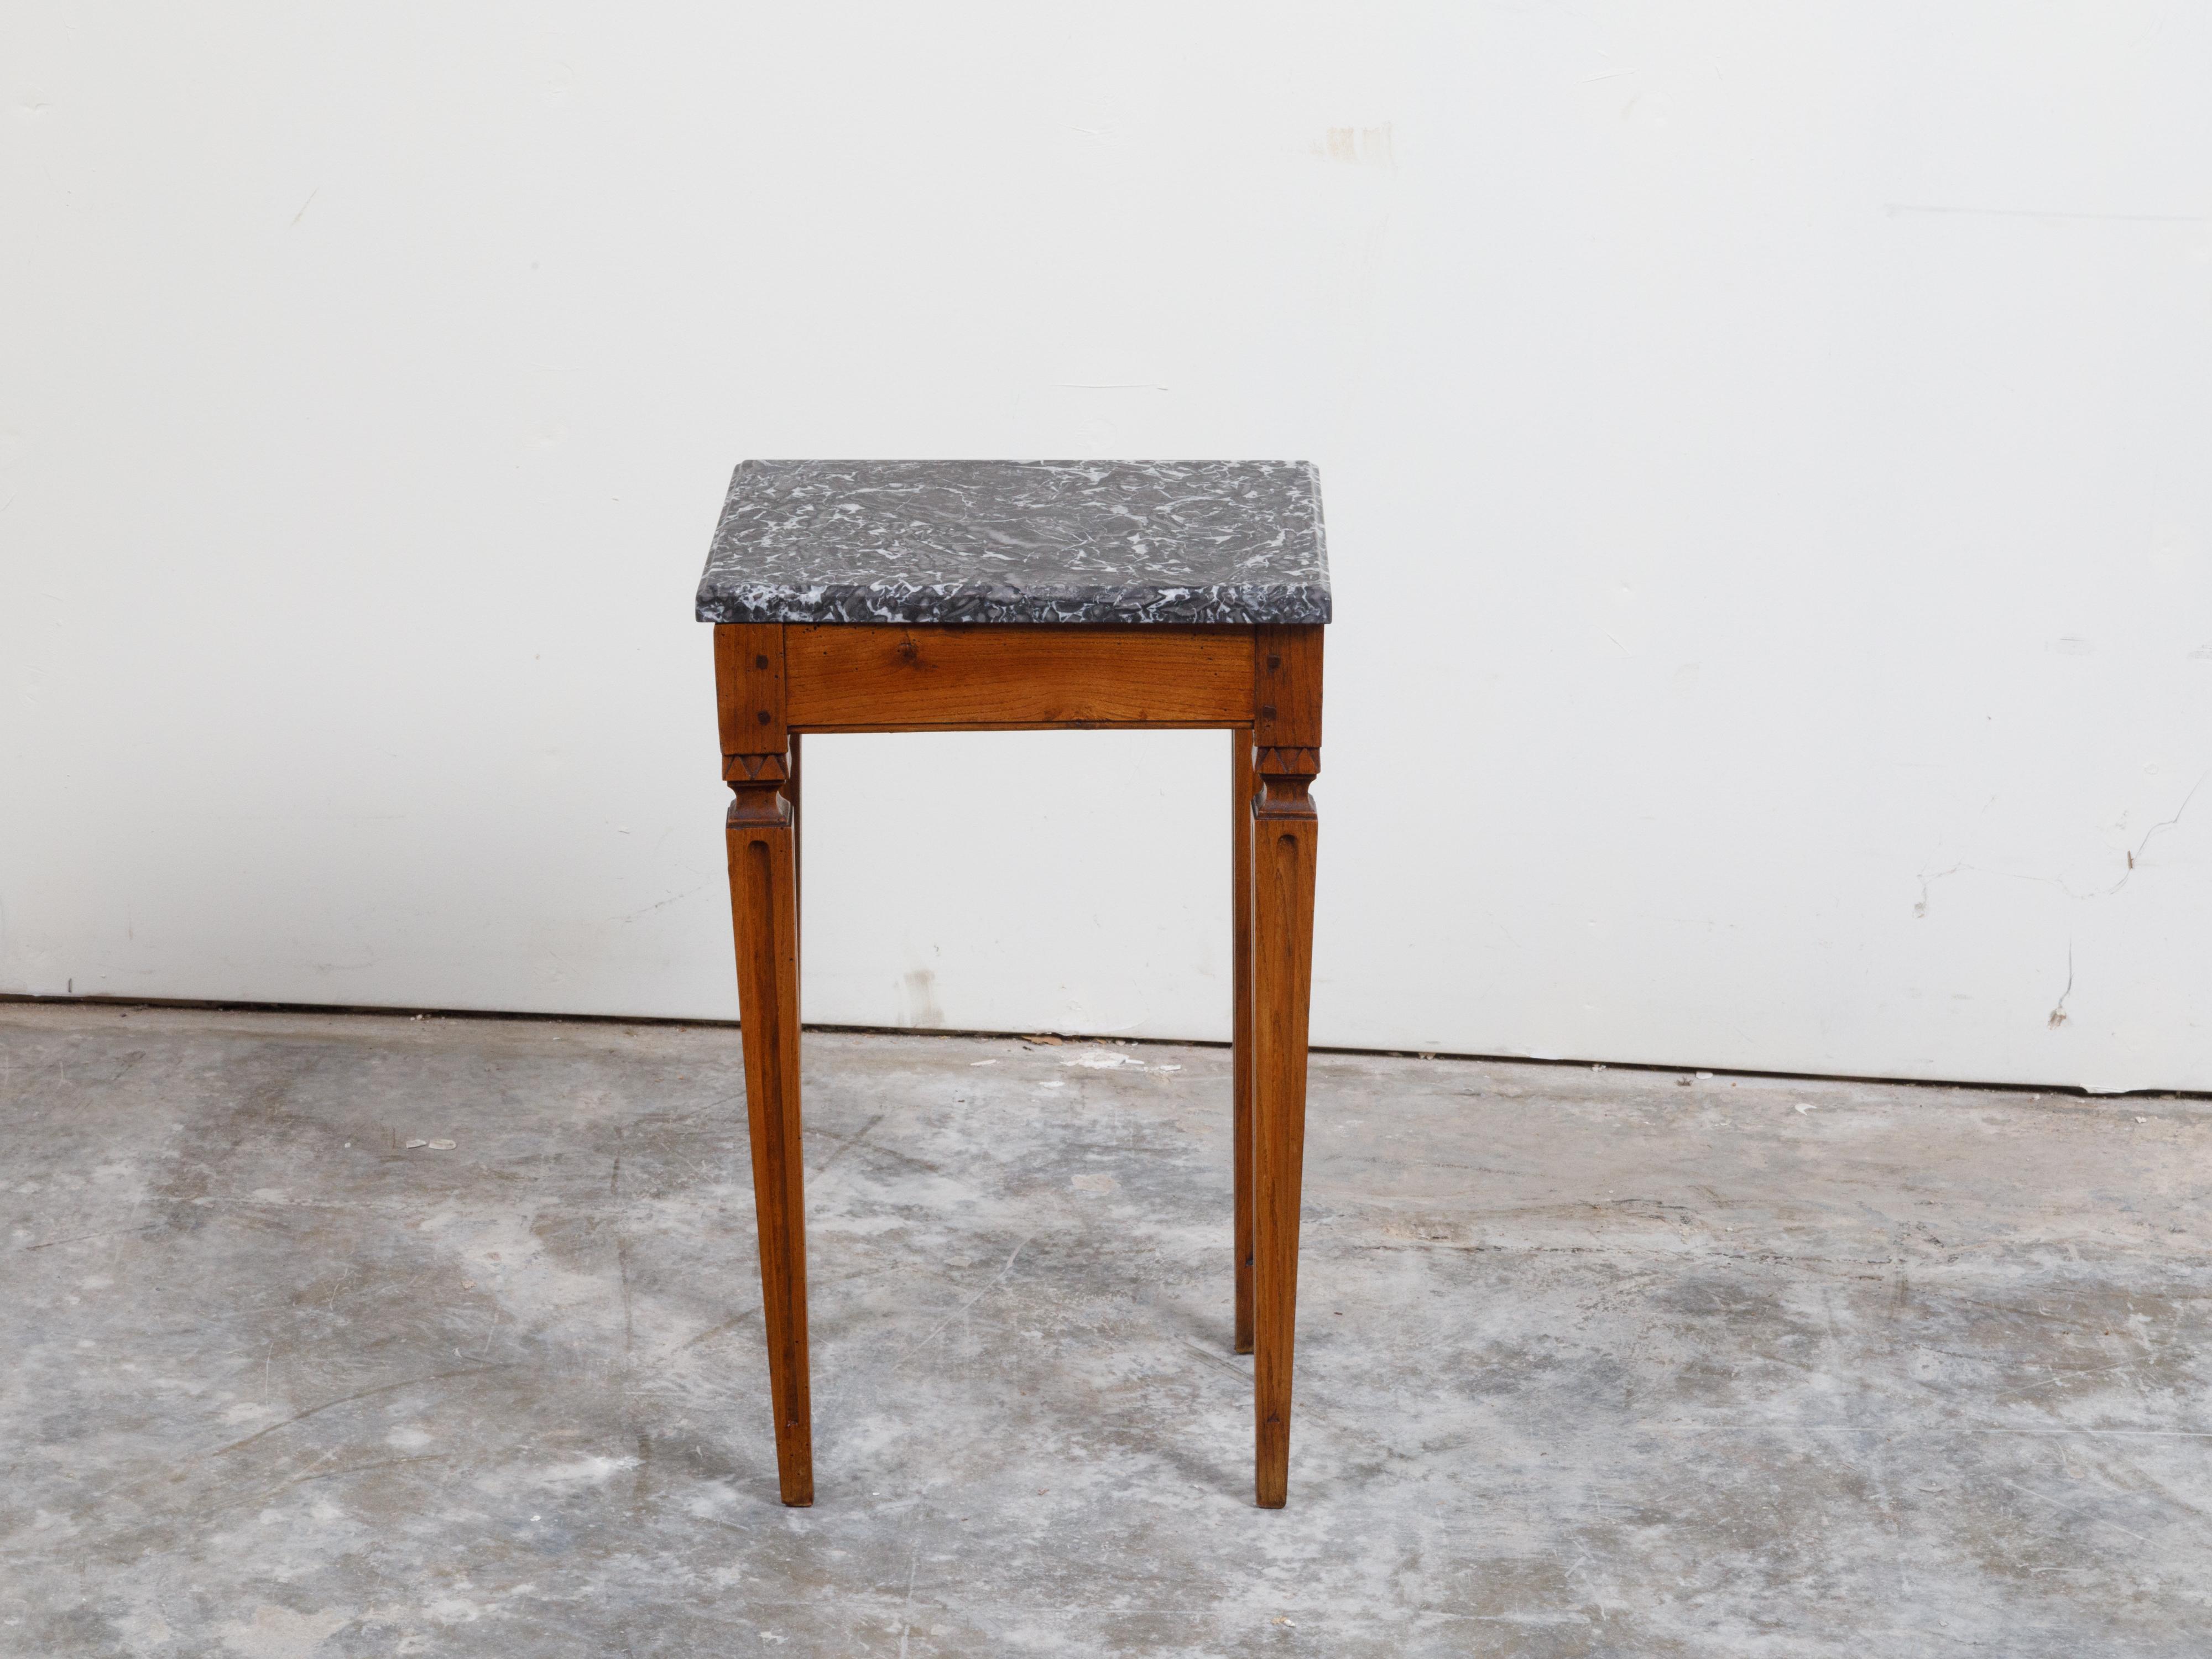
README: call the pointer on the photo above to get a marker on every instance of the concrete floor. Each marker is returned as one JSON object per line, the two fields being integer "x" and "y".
{"x": 1592, "y": 1362}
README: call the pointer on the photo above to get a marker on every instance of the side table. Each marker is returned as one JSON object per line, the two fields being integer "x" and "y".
{"x": 959, "y": 596}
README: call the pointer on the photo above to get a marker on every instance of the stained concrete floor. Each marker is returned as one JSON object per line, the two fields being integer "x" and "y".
{"x": 1592, "y": 1362}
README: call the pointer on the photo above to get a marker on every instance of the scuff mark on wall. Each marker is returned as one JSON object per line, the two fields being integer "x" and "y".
{"x": 921, "y": 1009}
{"x": 1372, "y": 147}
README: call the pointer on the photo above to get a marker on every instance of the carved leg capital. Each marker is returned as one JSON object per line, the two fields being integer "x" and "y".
{"x": 1285, "y": 776}
{"x": 758, "y": 781}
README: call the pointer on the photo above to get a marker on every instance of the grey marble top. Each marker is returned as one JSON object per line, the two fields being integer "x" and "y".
{"x": 1018, "y": 542}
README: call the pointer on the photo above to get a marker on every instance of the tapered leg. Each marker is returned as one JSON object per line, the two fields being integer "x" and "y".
{"x": 759, "y": 760}
{"x": 1240, "y": 914}
{"x": 1282, "y": 979}
{"x": 764, "y": 906}
{"x": 1286, "y": 758}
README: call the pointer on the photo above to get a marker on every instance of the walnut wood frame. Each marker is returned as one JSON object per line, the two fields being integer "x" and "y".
{"x": 776, "y": 681}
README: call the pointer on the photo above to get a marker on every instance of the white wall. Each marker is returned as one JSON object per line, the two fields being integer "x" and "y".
{"x": 1765, "y": 451}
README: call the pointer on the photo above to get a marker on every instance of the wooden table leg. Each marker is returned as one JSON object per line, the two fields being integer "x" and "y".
{"x": 1285, "y": 830}
{"x": 1240, "y": 923}
{"x": 1284, "y": 833}
{"x": 764, "y": 910}
{"x": 758, "y": 753}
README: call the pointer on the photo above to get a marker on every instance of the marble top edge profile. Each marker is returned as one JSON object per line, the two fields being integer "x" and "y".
{"x": 1164, "y": 542}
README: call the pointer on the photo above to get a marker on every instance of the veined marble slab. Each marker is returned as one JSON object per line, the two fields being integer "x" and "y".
{"x": 1018, "y": 542}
